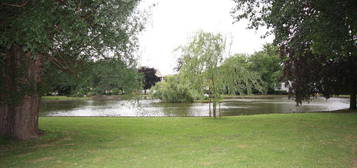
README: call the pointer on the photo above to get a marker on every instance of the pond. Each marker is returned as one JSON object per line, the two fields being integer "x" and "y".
{"x": 143, "y": 108}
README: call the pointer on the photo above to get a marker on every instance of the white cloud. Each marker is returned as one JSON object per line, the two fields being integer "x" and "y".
{"x": 173, "y": 22}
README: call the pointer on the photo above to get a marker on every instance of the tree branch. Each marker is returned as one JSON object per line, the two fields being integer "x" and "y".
{"x": 16, "y": 5}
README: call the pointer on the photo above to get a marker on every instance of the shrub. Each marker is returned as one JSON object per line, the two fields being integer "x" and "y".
{"x": 171, "y": 90}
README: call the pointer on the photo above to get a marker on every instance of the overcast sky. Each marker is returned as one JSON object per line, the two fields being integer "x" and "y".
{"x": 173, "y": 22}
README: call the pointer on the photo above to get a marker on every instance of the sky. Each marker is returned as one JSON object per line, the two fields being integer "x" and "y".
{"x": 172, "y": 23}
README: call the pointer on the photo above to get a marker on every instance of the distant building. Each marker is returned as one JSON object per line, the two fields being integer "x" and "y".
{"x": 283, "y": 87}
{"x": 158, "y": 74}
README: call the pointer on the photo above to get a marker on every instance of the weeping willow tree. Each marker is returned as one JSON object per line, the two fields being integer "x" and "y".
{"x": 238, "y": 78}
{"x": 201, "y": 67}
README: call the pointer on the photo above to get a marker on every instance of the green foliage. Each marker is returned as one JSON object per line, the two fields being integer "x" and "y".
{"x": 267, "y": 64}
{"x": 67, "y": 34}
{"x": 63, "y": 27}
{"x": 57, "y": 81}
{"x": 238, "y": 78}
{"x": 200, "y": 61}
{"x": 317, "y": 39}
{"x": 107, "y": 76}
{"x": 204, "y": 70}
{"x": 172, "y": 90}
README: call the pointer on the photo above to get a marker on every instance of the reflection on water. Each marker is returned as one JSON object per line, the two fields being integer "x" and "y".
{"x": 230, "y": 107}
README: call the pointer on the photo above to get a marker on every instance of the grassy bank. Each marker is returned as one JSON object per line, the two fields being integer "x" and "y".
{"x": 253, "y": 96}
{"x": 98, "y": 97}
{"x": 277, "y": 140}
{"x": 62, "y": 98}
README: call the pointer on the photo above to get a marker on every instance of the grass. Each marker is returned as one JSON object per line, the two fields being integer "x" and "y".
{"x": 103, "y": 97}
{"x": 276, "y": 140}
{"x": 62, "y": 98}
{"x": 254, "y": 96}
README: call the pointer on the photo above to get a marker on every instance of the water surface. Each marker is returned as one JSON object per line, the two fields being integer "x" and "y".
{"x": 229, "y": 107}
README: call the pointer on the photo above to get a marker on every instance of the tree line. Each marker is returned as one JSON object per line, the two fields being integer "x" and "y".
{"x": 203, "y": 73}
{"x": 316, "y": 40}
{"x": 102, "y": 77}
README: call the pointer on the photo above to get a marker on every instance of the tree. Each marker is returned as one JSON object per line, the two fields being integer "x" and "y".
{"x": 172, "y": 90}
{"x": 200, "y": 69}
{"x": 237, "y": 78}
{"x": 317, "y": 40}
{"x": 150, "y": 77}
{"x": 59, "y": 82}
{"x": 104, "y": 76}
{"x": 267, "y": 64}
{"x": 63, "y": 33}
{"x": 113, "y": 74}
{"x": 201, "y": 58}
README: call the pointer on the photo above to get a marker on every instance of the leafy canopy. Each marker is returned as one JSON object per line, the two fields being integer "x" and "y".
{"x": 238, "y": 78}
{"x": 201, "y": 58}
{"x": 70, "y": 33}
{"x": 267, "y": 64}
{"x": 317, "y": 40}
{"x": 150, "y": 77}
{"x": 172, "y": 90}
{"x": 203, "y": 71}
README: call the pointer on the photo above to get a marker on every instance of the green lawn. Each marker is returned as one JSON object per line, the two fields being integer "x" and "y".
{"x": 268, "y": 141}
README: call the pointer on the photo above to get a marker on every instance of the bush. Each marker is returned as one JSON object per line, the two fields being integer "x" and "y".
{"x": 170, "y": 90}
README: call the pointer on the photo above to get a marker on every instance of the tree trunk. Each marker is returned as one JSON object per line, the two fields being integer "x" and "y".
{"x": 19, "y": 105}
{"x": 20, "y": 121}
{"x": 214, "y": 108}
{"x": 209, "y": 108}
{"x": 353, "y": 101}
{"x": 219, "y": 109}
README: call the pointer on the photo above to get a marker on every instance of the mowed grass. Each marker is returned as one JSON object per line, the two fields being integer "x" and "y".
{"x": 276, "y": 140}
